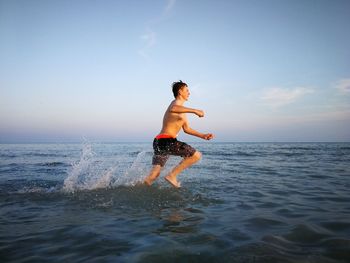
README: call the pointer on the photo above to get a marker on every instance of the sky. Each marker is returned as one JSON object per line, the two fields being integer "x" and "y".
{"x": 263, "y": 70}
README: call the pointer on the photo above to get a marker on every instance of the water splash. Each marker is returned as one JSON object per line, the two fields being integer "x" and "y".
{"x": 136, "y": 173}
{"x": 90, "y": 173}
{"x": 82, "y": 174}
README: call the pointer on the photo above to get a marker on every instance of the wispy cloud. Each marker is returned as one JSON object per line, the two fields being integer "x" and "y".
{"x": 277, "y": 97}
{"x": 149, "y": 38}
{"x": 343, "y": 86}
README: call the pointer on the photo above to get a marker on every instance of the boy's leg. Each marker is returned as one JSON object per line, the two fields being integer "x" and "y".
{"x": 186, "y": 162}
{"x": 155, "y": 172}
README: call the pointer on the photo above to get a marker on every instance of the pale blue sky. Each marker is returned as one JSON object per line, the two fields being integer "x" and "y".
{"x": 261, "y": 70}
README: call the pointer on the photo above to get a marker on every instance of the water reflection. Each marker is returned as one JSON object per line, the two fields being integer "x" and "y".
{"x": 178, "y": 220}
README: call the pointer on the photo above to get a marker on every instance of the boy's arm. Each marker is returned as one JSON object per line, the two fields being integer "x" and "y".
{"x": 187, "y": 129}
{"x": 182, "y": 109}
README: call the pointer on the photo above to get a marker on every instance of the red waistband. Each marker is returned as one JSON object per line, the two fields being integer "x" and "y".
{"x": 164, "y": 136}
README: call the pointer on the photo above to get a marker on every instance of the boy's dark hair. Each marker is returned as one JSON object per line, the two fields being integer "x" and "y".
{"x": 177, "y": 86}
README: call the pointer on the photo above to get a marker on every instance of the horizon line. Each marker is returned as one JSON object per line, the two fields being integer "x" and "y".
{"x": 116, "y": 142}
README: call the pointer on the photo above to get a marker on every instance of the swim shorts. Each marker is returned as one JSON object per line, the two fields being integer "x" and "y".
{"x": 164, "y": 146}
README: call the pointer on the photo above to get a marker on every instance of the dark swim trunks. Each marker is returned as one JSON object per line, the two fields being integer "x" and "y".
{"x": 164, "y": 146}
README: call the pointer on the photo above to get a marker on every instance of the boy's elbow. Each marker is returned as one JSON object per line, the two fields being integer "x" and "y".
{"x": 187, "y": 130}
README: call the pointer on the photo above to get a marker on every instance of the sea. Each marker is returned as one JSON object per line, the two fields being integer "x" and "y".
{"x": 243, "y": 202}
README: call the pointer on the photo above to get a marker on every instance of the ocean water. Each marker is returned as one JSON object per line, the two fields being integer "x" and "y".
{"x": 243, "y": 202}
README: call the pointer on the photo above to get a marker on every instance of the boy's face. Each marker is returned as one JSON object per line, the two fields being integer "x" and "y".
{"x": 184, "y": 92}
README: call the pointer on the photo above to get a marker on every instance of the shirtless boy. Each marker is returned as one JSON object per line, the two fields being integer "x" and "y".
{"x": 166, "y": 144}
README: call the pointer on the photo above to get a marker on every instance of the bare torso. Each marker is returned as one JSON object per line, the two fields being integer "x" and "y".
{"x": 173, "y": 122}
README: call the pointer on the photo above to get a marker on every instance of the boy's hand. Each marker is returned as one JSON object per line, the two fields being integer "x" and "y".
{"x": 199, "y": 113}
{"x": 208, "y": 136}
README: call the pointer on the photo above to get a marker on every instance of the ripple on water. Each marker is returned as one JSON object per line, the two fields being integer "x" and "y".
{"x": 337, "y": 248}
{"x": 337, "y": 226}
{"x": 304, "y": 241}
{"x": 306, "y": 234}
{"x": 269, "y": 205}
{"x": 289, "y": 213}
{"x": 262, "y": 223}
{"x": 281, "y": 243}
{"x": 237, "y": 235}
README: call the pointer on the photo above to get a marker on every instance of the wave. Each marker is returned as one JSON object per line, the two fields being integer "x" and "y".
{"x": 38, "y": 154}
{"x": 306, "y": 234}
{"x": 53, "y": 164}
{"x": 8, "y": 155}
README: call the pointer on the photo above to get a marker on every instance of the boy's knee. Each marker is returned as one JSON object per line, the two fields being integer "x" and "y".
{"x": 197, "y": 155}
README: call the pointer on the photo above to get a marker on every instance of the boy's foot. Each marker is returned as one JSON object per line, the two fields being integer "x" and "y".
{"x": 173, "y": 182}
{"x": 148, "y": 182}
